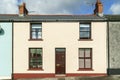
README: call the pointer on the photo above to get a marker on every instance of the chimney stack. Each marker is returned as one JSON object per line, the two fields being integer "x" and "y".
{"x": 22, "y": 10}
{"x": 98, "y": 8}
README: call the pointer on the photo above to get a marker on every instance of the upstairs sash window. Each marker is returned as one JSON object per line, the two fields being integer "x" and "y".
{"x": 85, "y": 31}
{"x": 36, "y": 31}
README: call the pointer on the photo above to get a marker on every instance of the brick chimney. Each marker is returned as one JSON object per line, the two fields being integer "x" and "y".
{"x": 22, "y": 10}
{"x": 98, "y": 8}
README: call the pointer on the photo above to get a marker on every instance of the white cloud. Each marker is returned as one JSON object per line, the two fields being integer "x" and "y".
{"x": 8, "y": 7}
{"x": 52, "y": 6}
{"x": 46, "y": 6}
{"x": 56, "y": 6}
{"x": 115, "y": 8}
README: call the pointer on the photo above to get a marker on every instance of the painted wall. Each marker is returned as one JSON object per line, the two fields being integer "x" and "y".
{"x": 60, "y": 35}
{"x": 114, "y": 39}
{"x": 6, "y": 50}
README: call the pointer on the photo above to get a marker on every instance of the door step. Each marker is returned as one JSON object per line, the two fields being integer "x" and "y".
{"x": 60, "y": 75}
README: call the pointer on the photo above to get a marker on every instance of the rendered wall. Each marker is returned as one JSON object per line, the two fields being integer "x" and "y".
{"x": 6, "y": 50}
{"x": 114, "y": 47}
{"x": 60, "y": 35}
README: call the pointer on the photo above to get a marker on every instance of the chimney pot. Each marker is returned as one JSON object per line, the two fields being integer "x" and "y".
{"x": 22, "y": 10}
{"x": 98, "y": 8}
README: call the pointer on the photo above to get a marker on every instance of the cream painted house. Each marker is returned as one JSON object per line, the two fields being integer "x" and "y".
{"x": 58, "y": 49}
{"x": 59, "y": 45}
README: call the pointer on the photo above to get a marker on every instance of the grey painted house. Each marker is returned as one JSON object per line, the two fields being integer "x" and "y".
{"x": 113, "y": 44}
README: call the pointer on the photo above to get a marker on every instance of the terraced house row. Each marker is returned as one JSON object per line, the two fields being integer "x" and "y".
{"x": 38, "y": 46}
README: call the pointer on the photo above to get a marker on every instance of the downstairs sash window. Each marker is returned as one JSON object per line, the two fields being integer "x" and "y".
{"x": 85, "y": 58}
{"x": 35, "y": 58}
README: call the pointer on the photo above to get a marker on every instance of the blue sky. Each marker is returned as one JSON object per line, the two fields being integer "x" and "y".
{"x": 107, "y": 4}
{"x": 59, "y": 6}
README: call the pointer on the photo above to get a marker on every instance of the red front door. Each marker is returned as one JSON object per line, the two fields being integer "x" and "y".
{"x": 60, "y": 61}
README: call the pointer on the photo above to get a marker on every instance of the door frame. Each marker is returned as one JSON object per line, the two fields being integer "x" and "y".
{"x": 64, "y": 60}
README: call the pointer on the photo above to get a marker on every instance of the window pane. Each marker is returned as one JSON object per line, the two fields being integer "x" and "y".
{"x": 34, "y": 36}
{"x": 60, "y": 50}
{"x": 39, "y": 51}
{"x": 81, "y": 52}
{"x": 39, "y": 35}
{"x": 81, "y": 63}
{"x": 85, "y": 35}
{"x": 36, "y": 25}
{"x": 40, "y": 29}
{"x": 84, "y": 25}
{"x": 33, "y": 29}
{"x": 39, "y": 65}
{"x": 32, "y": 51}
{"x": 84, "y": 29}
{"x": 87, "y": 63}
{"x": 37, "y": 30}
{"x": 87, "y": 52}
{"x": 35, "y": 65}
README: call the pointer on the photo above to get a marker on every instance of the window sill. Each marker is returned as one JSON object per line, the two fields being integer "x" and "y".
{"x": 36, "y": 69}
{"x": 85, "y": 39}
{"x": 35, "y": 39}
{"x": 85, "y": 70}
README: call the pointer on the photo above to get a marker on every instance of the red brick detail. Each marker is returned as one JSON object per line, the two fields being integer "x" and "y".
{"x": 49, "y": 75}
{"x": 32, "y": 75}
{"x": 86, "y": 74}
{"x": 98, "y": 7}
{"x": 22, "y": 9}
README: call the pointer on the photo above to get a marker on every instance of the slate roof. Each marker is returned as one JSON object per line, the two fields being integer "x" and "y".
{"x": 51, "y": 18}
{"x": 113, "y": 17}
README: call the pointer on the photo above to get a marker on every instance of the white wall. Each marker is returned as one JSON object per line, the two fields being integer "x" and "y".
{"x": 60, "y": 35}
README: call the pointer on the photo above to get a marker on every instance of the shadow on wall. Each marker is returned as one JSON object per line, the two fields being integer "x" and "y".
{"x": 2, "y": 32}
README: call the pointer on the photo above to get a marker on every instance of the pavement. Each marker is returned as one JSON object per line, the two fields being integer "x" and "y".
{"x": 79, "y": 78}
